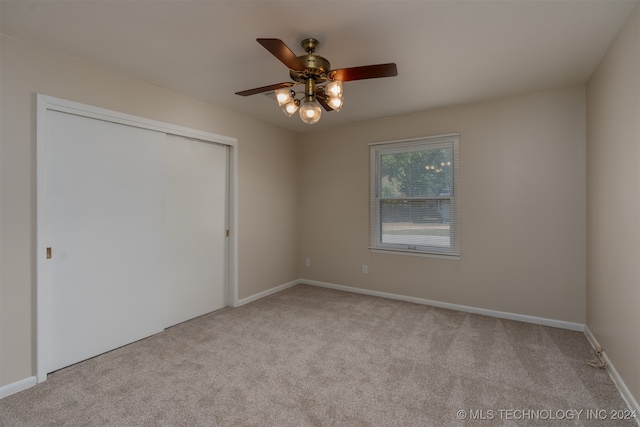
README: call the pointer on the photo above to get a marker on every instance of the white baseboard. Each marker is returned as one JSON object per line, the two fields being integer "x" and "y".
{"x": 493, "y": 313}
{"x": 615, "y": 377}
{"x": 266, "y": 293}
{"x": 13, "y": 388}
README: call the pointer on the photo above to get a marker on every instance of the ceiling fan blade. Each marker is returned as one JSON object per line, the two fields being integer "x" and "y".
{"x": 365, "y": 72}
{"x": 283, "y": 53}
{"x": 265, "y": 88}
{"x": 322, "y": 100}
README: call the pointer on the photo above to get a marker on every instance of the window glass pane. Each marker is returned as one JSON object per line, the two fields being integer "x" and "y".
{"x": 416, "y": 223}
{"x": 425, "y": 173}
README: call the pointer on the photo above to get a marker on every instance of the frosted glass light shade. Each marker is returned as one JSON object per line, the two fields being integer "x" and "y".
{"x": 290, "y": 107}
{"x": 310, "y": 111}
{"x": 336, "y": 103}
{"x": 334, "y": 89}
{"x": 284, "y": 96}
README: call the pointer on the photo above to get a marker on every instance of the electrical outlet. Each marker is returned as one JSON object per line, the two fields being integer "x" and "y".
{"x": 307, "y": 262}
{"x": 598, "y": 351}
{"x": 365, "y": 269}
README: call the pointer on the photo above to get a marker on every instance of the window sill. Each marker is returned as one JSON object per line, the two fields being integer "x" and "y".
{"x": 414, "y": 253}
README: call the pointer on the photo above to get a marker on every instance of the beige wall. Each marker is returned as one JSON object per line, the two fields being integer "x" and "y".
{"x": 523, "y": 185}
{"x": 522, "y": 175}
{"x": 613, "y": 204}
{"x": 267, "y": 180}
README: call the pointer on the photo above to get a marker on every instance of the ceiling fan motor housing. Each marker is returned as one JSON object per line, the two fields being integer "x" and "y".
{"x": 316, "y": 66}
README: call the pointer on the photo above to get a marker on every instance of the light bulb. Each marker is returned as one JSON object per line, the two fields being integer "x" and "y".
{"x": 284, "y": 96}
{"x": 334, "y": 89}
{"x": 290, "y": 107}
{"x": 336, "y": 103}
{"x": 310, "y": 111}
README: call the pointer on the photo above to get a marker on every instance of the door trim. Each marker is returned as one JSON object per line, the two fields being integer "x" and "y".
{"x": 46, "y": 103}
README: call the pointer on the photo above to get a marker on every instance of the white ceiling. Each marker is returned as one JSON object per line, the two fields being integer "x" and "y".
{"x": 447, "y": 52}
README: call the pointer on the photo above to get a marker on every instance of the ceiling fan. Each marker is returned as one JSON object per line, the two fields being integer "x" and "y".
{"x": 313, "y": 71}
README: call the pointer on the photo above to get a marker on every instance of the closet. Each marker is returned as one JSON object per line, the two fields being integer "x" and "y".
{"x": 135, "y": 223}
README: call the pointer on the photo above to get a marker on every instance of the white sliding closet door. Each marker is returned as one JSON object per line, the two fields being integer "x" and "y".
{"x": 196, "y": 218}
{"x": 105, "y": 222}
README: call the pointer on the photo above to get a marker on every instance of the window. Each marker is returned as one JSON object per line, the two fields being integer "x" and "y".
{"x": 414, "y": 196}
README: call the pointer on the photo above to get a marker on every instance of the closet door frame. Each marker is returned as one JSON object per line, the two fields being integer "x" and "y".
{"x": 46, "y": 103}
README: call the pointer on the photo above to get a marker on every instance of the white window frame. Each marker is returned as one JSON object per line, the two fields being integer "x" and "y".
{"x": 377, "y": 150}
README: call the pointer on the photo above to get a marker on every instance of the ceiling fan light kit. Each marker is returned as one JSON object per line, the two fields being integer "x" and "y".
{"x": 310, "y": 110}
{"x": 284, "y": 96}
{"x": 291, "y": 107}
{"x": 322, "y": 86}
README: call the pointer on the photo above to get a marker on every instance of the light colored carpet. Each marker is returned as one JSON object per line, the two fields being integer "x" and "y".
{"x": 315, "y": 356}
